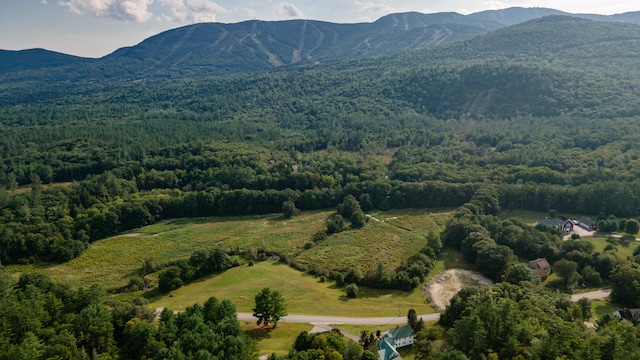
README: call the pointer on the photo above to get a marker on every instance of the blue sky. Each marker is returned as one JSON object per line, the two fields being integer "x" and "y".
{"x": 95, "y": 28}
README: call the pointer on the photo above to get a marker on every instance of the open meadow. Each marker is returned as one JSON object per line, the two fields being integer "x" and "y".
{"x": 112, "y": 262}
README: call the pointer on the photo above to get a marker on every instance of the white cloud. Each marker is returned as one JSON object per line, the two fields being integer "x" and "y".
{"x": 251, "y": 13}
{"x": 178, "y": 11}
{"x": 495, "y": 5}
{"x": 288, "y": 9}
{"x": 127, "y": 10}
{"x": 190, "y": 11}
{"x": 43, "y": 2}
{"x": 377, "y": 7}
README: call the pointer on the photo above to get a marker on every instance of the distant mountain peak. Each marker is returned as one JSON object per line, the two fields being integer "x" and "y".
{"x": 254, "y": 45}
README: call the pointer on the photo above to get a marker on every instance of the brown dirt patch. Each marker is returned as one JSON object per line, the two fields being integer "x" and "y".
{"x": 446, "y": 284}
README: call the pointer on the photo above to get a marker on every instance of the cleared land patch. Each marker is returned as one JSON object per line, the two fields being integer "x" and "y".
{"x": 446, "y": 284}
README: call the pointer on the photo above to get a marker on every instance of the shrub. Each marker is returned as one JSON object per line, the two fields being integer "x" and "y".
{"x": 352, "y": 290}
{"x": 319, "y": 236}
{"x": 135, "y": 283}
{"x": 170, "y": 279}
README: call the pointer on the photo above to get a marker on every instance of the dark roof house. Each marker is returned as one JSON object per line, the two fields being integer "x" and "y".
{"x": 630, "y": 314}
{"x": 542, "y": 267}
{"x": 565, "y": 225}
{"x": 587, "y": 223}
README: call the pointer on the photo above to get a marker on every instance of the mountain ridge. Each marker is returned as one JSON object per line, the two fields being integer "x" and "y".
{"x": 251, "y": 46}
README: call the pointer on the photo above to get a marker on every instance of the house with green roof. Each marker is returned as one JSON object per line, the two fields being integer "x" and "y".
{"x": 394, "y": 339}
{"x": 387, "y": 350}
{"x": 402, "y": 336}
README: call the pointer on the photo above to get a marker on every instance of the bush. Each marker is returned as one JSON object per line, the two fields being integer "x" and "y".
{"x": 170, "y": 279}
{"x": 319, "y": 236}
{"x": 135, "y": 283}
{"x": 289, "y": 209}
{"x": 335, "y": 224}
{"x": 352, "y": 290}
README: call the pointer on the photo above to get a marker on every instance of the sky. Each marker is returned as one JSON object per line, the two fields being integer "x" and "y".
{"x": 95, "y": 28}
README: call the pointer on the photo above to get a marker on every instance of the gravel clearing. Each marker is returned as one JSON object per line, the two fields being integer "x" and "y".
{"x": 446, "y": 284}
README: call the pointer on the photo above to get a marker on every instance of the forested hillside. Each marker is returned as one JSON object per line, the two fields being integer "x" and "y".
{"x": 552, "y": 135}
{"x": 541, "y": 116}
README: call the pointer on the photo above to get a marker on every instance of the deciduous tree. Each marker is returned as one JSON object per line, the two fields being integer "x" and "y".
{"x": 270, "y": 307}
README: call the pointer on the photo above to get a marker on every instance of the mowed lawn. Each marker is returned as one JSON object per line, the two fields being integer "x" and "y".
{"x": 279, "y": 340}
{"x": 304, "y": 294}
{"x": 623, "y": 250}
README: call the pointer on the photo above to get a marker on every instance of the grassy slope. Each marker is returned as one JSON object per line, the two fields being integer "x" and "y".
{"x": 390, "y": 238}
{"x": 111, "y": 262}
{"x": 304, "y": 294}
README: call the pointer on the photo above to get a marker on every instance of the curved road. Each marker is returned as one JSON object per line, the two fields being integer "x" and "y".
{"x": 593, "y": 295}
{"x": 313, "y": 319}
{"x": 335, "y": 320}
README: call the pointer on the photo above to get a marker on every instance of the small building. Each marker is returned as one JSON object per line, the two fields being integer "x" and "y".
{"x": 402, "y": 335}
{"x": 393, "y": 339}
{"x": 587, "y": 224}
{"x": 542, "y": 267}
{"x": 387, "y": 350}
{"x": 628, "y": 314}
{"x": 565, "y": 225}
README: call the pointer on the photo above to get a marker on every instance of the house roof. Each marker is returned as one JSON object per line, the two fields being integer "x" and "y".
{"x": 630, "y": 314}
{"x": 387, "y": 351}
{"x": 541, "y": 266}
{"x": 541, "y": 273}
{"x": 401, "y": 332}
{"x": 540, "y": 263}
{"x": 586, "y": 221}
{"x": 552, "y": 222}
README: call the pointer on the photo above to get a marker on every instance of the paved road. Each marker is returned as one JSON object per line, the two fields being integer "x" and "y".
{"x": 593, "y": 295}
{"x": 312, "y": 319}
{"x": 336, "y": 320}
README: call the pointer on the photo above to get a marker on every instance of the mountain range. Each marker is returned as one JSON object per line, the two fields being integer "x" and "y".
{"x": 252, "y": 46}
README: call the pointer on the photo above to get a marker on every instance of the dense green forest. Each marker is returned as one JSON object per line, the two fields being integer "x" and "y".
{"x": 540, "y": 116}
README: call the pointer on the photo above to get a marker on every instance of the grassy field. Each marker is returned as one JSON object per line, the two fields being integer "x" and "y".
{"x": 623, "y": 250}
{"x": 524, "y": 215}
{"x": 389, "y": 239}
{"x": 27, "y": 188}
{"x": 112, "y": 262}
{"x": 601, "y": 308}
{"x": 303, "y": 293}
{"x": 279, "y": 340}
